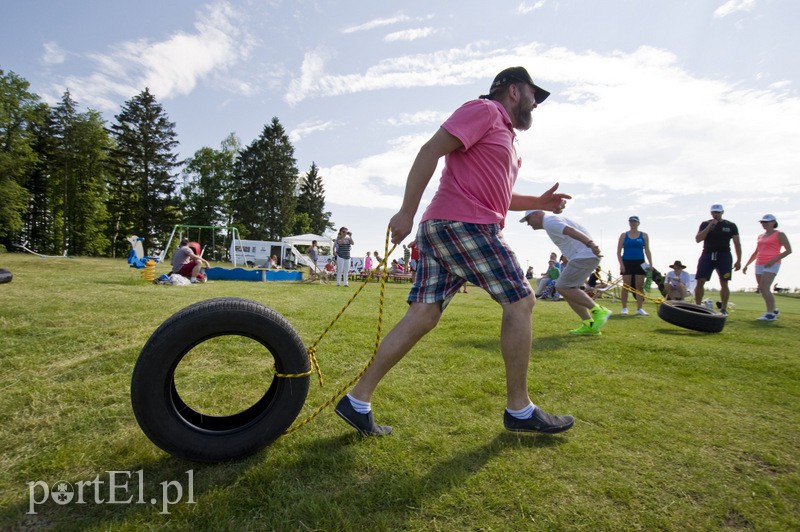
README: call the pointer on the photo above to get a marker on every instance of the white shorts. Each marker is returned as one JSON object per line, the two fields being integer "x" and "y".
{"x": 761, "y": 268}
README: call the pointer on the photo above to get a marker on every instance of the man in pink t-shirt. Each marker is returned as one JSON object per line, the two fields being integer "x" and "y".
{"x": 460, "y": 240}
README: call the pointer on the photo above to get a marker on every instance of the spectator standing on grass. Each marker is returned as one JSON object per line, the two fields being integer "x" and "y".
{"x": 460, "y": 239}
{"x": 632, "y": 248}
{"x": 313, "y": 253}
{"x": 716, "y": 235}
{"x": 344, "y": 241}
{"x": 583, "y": 256}
{"x": 368, "y": 264}
{"x": 768, "y": 257}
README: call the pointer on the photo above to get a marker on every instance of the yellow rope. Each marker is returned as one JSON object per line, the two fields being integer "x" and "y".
{"x": 313, "y": 349}
{"x": 632, "y": 290}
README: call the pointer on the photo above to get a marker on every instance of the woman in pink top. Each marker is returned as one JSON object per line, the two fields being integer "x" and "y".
{"x": 768, "y": 257}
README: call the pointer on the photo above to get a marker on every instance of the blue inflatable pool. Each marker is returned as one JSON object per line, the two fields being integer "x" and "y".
{"x": 261, "y": 274}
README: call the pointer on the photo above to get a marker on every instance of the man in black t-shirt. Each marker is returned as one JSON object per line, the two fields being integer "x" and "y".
{"x": 716, "y": 235}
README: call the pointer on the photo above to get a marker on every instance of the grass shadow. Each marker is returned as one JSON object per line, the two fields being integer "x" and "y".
{"x": 388, "y": 496}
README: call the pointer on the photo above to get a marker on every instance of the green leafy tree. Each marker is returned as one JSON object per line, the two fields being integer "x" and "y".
{"x": 208, "y": 189}
{"x": 20, "y": 111}
{"x": 311, "y": 216}
{"x": 208, "y": 184}
{"x": 266, "y": 181}
{"x": 143, "y": 198}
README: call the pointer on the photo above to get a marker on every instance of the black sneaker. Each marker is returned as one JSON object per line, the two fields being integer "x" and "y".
{"x": 363, "y": 423}
{"x": 540, "y": 421}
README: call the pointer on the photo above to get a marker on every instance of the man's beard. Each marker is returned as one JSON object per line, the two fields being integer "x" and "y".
{"x": 524, "y": 119}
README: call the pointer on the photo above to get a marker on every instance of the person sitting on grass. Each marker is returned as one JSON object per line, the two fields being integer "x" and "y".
{"x": 186, "y": 261}
{"x": 677, "y": 281}
{"x": 583, "y": 256}
{"x": 547, "y": 280}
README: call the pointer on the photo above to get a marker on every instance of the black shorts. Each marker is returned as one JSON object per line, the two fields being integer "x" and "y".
{"x": 633, "y": 267}
{"x": 721, "y": 261}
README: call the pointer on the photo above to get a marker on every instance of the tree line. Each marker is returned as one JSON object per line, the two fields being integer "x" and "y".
{"x": 70, "y": 184}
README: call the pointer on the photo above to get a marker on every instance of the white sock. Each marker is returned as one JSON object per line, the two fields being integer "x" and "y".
{"x": 524, "y": 413}
{"x": 359, "y": 406}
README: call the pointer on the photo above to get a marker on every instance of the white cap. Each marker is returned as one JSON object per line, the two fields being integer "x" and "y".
{"x": 717, "y": 207}
{"x": 528, "y": 213}
{"x": 769, "y": 218}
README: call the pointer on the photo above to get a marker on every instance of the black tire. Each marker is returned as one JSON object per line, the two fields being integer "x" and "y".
{"x": 5, "y": 276}
{"x": 691, "y": 316}
{"x": 180, "y": 430}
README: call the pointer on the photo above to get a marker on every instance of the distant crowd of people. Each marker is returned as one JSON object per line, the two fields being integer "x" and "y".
{"x": 716, "y": 234}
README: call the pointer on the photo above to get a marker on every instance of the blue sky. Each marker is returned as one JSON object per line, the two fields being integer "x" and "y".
{"x": 658, "y": 109}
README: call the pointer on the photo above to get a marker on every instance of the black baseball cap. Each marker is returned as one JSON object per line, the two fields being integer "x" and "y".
{"x": 516, "y": 74}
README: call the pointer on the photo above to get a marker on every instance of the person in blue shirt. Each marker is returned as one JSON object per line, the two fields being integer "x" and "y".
{"x": 632, "y": 248}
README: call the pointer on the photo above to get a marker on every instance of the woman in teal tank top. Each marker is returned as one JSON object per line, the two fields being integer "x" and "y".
{"x": 632, "y": 249}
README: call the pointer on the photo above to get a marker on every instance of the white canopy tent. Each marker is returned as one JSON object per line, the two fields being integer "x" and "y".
{"x": 306, "y": 240}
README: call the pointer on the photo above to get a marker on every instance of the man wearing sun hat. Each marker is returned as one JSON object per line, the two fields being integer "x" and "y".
{"x": 460, "y": 239}
{"x": 716, "y": 235}
{"x": 676, "y": 282}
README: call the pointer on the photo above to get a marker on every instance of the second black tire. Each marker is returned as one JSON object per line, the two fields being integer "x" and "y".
{"x": 179, "y": 429}
{"x": 691, "y": 316}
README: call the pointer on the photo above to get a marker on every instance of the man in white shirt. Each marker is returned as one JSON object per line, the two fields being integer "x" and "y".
{"x": 583, "y": 256}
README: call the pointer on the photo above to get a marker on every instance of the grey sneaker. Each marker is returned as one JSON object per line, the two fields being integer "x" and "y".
{"x": 363, "y": 423}
{"x": 540, "y": 421}
{"x": 767, "y": 317}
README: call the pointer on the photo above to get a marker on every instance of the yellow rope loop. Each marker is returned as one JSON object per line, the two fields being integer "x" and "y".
{"x": 312, "y": 349}
{"x": 632, "y": 290}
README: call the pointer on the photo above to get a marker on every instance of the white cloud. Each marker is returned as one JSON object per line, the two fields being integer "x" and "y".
{"x": 377, "y": 23}
{"x": 409, "y": 35}
{"x": 420, "y": 117}
{"x": 732, "y": 6}
{"x": 375, "y": 181}
{"x": 169, "y": 68}
{"x": 307, "y": 128}
{"x": 442, "y": 68}
{"x": 529, "y": 7}
{"x": 53, "y": 54}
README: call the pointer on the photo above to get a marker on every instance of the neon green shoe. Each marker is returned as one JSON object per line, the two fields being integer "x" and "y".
{"x": 600, "y": 316}
{"x": 585, "y": 330}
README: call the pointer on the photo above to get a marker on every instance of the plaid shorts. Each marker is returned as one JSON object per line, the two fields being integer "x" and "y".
{"x": 452, "y": 253}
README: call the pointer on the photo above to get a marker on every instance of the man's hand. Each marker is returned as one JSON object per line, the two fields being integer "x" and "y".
{"x": 400, "y": 226}
{"x": 553, "y": 201}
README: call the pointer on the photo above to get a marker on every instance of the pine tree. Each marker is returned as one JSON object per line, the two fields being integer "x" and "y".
{"x": 67, "y": 212}
{"x": 310, "y": 215}
{"x": 143, "y": 199}
{"x": 266, "y": 182}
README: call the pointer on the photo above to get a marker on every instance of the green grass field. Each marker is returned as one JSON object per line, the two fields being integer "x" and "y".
{"x": 674, "y": 429}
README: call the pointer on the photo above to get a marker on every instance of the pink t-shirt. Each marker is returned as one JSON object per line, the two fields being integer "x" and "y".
{"x": 767, "y": 248}
{"x": 477, "y": 180}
